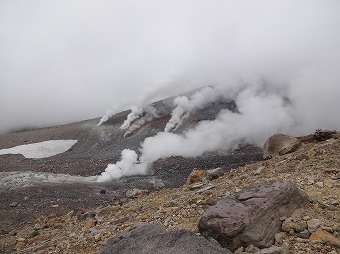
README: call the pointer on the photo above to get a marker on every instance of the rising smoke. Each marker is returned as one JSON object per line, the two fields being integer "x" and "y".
{"x": 138, "y": 117}
{"x": 292, "y": 99}
{"x": 128, "y": 165}
{"x": 261, "y": 112}
{"x": 63, "y": 61}
{"x": 185, "y": 105}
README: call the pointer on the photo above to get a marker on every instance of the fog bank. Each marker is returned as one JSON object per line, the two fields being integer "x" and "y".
{"x": 64, "y": 61}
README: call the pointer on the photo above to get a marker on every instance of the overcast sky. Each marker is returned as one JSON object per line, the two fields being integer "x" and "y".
{"x": 68, "y": 60}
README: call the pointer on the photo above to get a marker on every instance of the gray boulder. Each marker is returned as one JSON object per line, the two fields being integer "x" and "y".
{"x": 252, "y": 216}
{"x": 151, "y": 238}
{"x": 214, "y": 173}
{"x": 280, "y": 144}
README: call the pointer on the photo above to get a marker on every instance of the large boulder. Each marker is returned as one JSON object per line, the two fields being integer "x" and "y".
{"x": 280, "y": 144}
{"x": 151, "y": 238}
{"x": 253, "y": 215}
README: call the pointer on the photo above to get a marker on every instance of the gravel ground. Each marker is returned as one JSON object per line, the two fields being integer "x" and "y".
{"x": 314, "y": 168}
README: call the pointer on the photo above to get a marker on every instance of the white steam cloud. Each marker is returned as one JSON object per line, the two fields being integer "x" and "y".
{"x": 128, "y": 165}
{"x": 135, "y": 114}
{"x": 64, "y": 60}
{"x": 260, "y": 114}
{"x": 109, "y": 113}
{"x": 262, "y": 111}
{"x": 138, "y": 117}
{"x": 178, "y": 114}
{"x": 185, "y": 105}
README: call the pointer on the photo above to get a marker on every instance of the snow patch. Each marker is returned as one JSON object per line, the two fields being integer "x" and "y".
{"x": 42, "y": 149}
{"x": 14, "y": 180}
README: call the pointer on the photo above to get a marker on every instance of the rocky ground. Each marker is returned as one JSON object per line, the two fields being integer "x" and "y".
{"x": 21, "y": 203}
{"x": 314, "y": 168}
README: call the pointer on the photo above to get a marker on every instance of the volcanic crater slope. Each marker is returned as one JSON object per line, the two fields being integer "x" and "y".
{"x": 98, "y": 146}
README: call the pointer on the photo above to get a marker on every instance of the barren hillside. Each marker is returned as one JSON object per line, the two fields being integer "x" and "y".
{"x": 314, "y": 168}
{"x": 22, "y": 200}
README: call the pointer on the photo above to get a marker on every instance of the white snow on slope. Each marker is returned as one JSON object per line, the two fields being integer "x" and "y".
{"x": 14, "y": 180}
{"x": 41, "y": 149}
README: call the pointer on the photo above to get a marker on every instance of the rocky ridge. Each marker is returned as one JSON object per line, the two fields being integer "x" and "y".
{"x": 314, "y": 167}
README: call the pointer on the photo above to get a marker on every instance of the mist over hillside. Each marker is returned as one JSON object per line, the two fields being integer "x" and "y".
{"x": 68, "y": 61}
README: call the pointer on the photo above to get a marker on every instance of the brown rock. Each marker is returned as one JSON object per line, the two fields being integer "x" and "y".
{"x": 331, "y": 170}
{"x": 297, "y": 226}
{"x": 39, "y": 238}
{"x": 280, "y": 144}
{"x": 311, "y": 154}
{"x": 322, "y": 235}
{"x": 329, "y": 183}
{"x": 313, "y": 225}
{"x": 196, "y": 186}
{"x": 259, "y": 170}
{"x": 307, "y": 139}
{"x": 197, "y": 175}
{"x": 90, "y": 223}
{"x": 37, "y": 226}
{"x": 97, "y": 237}
{"x": 253, "y": 215}
{"x": 279, "y": 237}
{"x": 20, "y": 245}
{"x": 319, "y": 184}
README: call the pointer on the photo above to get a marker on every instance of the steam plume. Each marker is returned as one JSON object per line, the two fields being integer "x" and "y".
{"x": 128, "y": 165}
{"x": 185, "y": 105}
{"x": 135, "y": 114}
{"x": 138, "y": 117}
{"x": 261, "y": 112}
{"x": 109, "y": 113}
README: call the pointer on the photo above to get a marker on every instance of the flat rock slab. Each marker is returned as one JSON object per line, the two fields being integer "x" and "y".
{"x": 151, "y": 238}
{"x": 253, "y": 215}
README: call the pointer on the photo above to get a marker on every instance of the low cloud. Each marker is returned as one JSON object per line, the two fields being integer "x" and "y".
{"x": 65, "y": 61}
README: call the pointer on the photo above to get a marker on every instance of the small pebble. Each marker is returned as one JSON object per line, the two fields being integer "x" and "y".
{"x": 13, "y": 204}
{"x": 319, "y": 184}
